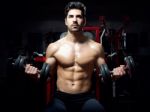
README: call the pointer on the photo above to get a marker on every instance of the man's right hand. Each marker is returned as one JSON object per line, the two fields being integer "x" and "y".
{"x": 34, "y": 72}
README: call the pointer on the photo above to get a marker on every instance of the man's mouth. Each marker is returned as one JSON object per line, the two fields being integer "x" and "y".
{"x": 74, "y": 25}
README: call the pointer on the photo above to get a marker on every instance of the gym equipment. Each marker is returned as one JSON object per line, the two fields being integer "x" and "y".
{"x": 93, "y": 28}
{"x": 86, "y": 33}
{"x": 63, "y": 34}
{"x": 130, "y": 67}
{"x": 89, "y": 35}
{"x": 37, "y": 57}
{"x": 130, "y": 63}
{"x": 106, "y": 73}
{"x": 21, "y": 61}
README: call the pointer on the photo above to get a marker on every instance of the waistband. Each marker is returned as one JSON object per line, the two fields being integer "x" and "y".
{"x": 72, "y": 97}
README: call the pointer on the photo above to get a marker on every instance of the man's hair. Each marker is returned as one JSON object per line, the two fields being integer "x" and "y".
{"x": 75, "y": 5}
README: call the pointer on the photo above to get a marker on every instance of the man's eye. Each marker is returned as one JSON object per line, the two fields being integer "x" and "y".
{"x": 70, "y": 16}
{"x": 79, "y": 16}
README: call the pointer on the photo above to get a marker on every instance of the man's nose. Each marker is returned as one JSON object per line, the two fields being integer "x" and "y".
{"x": 74, "y": 19}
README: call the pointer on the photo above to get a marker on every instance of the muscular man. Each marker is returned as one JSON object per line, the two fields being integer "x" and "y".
{"x": 74, "y": 57}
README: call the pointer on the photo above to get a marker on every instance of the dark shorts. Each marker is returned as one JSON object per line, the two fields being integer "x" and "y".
{"x": 83, "y": 102}
{"x": 74, "y": 101}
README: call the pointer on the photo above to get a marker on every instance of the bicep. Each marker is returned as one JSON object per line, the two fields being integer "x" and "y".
{"x": 101, "y": 56}
{"x": 100, "y": 61}
{"x": 50, "y": 59}
{"x": 50, "y": 51}
{"x": 52, "y": 62}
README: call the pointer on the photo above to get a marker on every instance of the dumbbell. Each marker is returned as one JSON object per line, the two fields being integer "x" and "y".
{"x": 21, "y": 61}
{"x": 130, "y": 63}
{"x": 130, "y": 68}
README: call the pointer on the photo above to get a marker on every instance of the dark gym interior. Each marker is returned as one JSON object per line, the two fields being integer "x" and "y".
{"x": 30, "y": 25}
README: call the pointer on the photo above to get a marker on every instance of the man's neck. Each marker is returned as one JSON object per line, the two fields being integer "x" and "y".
{"x": 75, "y": 37}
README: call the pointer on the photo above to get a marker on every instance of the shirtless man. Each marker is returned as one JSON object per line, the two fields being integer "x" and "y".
{"x": 74, "y": 57}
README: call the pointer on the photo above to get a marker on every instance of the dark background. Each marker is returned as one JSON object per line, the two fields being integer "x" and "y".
{"x": 27, "y": 26}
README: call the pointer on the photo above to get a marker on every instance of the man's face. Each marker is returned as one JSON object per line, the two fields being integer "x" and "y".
{"x": 74, "y": 20}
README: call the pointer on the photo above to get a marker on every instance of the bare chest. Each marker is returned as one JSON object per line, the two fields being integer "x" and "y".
{"x": 71, "y": 55}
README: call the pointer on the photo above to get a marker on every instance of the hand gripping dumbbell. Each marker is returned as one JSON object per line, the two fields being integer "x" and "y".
{"x": 106, "y": 73}
{"x": 21, "y": 61}
{"x": 129, "y": 67}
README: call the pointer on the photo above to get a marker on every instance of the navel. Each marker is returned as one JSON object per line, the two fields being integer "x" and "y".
{"x": 72, "y": 84}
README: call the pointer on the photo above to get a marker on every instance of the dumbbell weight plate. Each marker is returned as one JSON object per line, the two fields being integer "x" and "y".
{"x": 17, "y": 61}
{"x": 128, "y": 64}
{"x": 45, "y": 71}
{"x": 104, "y": 71}
{"x": 132, "y": 63}
{"x": 22, "y": 62}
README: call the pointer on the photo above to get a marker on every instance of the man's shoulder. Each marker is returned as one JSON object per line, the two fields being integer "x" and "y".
{"x": 96, "y": 44}
{"x": 52, "y": 49}
{"x": 55, "y": 45}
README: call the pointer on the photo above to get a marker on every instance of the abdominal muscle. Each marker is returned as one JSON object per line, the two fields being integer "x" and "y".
{"x": 73, "y": 82}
